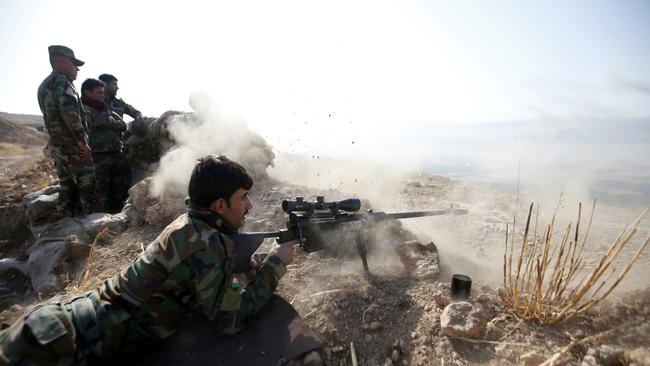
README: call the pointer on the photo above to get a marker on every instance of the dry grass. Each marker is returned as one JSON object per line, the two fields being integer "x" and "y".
{"x": 550, "y": 281}
{"x": 82, "y": 284}
{"x": 8, "y": 149}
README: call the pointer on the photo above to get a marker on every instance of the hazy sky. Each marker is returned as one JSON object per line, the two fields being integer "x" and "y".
{"x": 401, "y": 79}
{"x": 363, "y": 61}
{"x": 318, "y": 69}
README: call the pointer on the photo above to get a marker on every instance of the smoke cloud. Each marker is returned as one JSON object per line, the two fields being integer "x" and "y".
{"x": 581, "y": 158}
{"x": 208, "y": 131}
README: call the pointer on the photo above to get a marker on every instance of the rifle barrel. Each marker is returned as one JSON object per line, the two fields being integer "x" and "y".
{"x": 408, "y": 215}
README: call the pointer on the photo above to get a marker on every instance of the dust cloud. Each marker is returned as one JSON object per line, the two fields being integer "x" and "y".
{"x": 208, "y": 131}
{"x": 489, "y": 163}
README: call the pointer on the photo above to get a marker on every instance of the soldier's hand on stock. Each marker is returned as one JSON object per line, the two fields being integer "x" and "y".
{"x": 283, "y": 251}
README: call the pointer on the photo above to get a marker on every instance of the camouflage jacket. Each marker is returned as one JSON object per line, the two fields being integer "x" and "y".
{"x": 188, "y": 268}
{"x": 62, "y": 113}
{"x": 105, "y": 129}
{"x": 120, "y": 107}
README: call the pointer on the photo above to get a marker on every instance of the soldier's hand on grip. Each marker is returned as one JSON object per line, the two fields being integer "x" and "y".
{"x": 283, "y": 251}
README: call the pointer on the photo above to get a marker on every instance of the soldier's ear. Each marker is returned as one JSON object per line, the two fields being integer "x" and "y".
{"x": 219, "y": 206}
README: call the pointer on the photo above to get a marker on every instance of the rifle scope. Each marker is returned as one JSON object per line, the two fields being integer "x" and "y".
{"x": 299, "y": 204}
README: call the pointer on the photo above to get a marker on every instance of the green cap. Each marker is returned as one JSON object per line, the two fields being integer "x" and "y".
{"x": 65, "y": 52}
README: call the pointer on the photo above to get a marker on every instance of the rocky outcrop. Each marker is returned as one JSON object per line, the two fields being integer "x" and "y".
{"x": 45, "y": 258}
{"x": 41, "y": 204}
{"x": 152, "y": 210}
{"x": 420, "y": 260}
{"x": 461, "y": 319}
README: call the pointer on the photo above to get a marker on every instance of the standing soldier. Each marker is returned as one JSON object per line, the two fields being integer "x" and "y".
{"x": 120, "y": 107}
{"x": 116, "y": 104}
{"x": 105, "y": 131}
{"x": 66, "y": 125}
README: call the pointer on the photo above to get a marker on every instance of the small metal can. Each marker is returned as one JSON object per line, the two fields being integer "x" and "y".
{"x": 461, "y": 285}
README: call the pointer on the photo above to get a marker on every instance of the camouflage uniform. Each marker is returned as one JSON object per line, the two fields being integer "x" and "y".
{"x": 111, "y": 167}
{"x": 188, "y": 268}
{"x": 120, "y": 107}
{"x": 66, "y": 125}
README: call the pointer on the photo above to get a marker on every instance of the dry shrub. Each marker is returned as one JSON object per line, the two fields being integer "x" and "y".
{"x": 550, "y": 282}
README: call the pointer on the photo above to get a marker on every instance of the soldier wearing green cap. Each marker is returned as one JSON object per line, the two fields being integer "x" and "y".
{"x": 65, "y": 123}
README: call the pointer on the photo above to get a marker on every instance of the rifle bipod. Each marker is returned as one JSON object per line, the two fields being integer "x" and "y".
{"x": 361, "y": 248}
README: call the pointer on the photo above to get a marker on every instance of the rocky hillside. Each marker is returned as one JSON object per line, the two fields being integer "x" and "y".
{"x": 393, "y": 316}
{"x": 401, "y": 313}
{"x": 21, "y": 129}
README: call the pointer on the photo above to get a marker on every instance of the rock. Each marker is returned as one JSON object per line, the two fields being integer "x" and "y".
{"x": 85, "y": 228}
{"x": 590, "y": 360}
{"x": 637, "y": 357}
{"x": 395, "y": 356}
{"x": 13, "y": 224}
{"x": 373, "y": 326}
{"x": 134, "y": 216}
{"x": 7, "y": 263}
{"x": 419, "y": 260}
{"x": 44, "y": 258}
{"x": 603, "y": 355}
{"x": 164, "y": 212}
{"x": 16, "y": 308}
{"x": 45, "y": 191}
{"x": 40, "y": 207}
{"x": 609, "y": 356}
{"x": 460, "y": 319}
{"x": 312, "y": 359}
{"x": 441, "y": 298}
{"x": 63, "y": 228}
{"x": 504, "y": 352}
{"x": 94, "y": 223}
{"x": 139, "y": 195}
{"x": 502, "y": 293}
{"x": 154, "y": 210}
{"x": 531, "y": 358}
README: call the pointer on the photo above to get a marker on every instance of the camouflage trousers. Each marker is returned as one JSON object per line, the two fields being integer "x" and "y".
{"x": 113, "y": 180}
{"x": 69, "y": 331}
{"x": 77, "y": 181}
{"x": 45, "y": 335}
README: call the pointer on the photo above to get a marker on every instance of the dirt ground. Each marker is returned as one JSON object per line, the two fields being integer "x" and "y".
{"x": 387, "y": 316}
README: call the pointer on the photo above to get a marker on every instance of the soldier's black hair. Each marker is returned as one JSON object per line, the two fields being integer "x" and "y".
{"x": 107, "y": 78}
{"x": 90, "y": 84}
{"x": 216, "y": 177}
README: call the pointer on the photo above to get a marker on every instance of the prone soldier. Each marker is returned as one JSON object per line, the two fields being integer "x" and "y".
{"x": 188, "y": 268}
{"x": 105, "y": 132}
{"x": 65, "y": 123}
